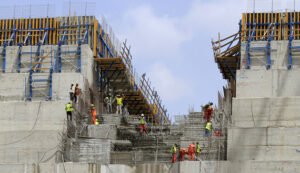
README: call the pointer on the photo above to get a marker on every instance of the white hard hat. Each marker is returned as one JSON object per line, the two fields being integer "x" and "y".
{"x": 142, "y": 115}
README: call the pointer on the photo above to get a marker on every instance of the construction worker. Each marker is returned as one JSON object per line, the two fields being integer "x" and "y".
{"x": 142, "y": 125}
{"x": 72, "y": 92}
{"x": 198, "y": 151}
{"x": 174, "y": 153}
{"x": 208, "y": 111}
{"x": 93, "y": 114}
{"x": 208, "y": 129}
{"x": 191, "y": 151}
{"x": 69, "y": 110}
{"x": 119, "y": 100}
{"x": 182, "y": 153}
{"x": 108, "y": 101}
{"x": 77, "y": 92}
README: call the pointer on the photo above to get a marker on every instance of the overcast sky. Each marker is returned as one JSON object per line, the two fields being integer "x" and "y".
{"x": 170, "y": 41}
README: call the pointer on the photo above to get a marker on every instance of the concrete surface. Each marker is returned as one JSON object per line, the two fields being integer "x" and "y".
{"x": 266, "y": 112}
{"x": 182, "y": 167}
{"x": 267, "y": 83}
{"x": 108, "y": 131}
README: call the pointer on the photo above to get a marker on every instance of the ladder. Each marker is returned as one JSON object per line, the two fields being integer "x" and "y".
{"x": 40, "y": 76}
{"x": 40, "y": 85}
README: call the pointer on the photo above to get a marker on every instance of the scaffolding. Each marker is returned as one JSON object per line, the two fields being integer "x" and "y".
{"x": 114, "y": 67}
{"x": 263, "y": 28}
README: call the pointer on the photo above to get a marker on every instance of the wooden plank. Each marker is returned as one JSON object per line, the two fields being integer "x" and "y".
{"x": 277, "y": 18}
{"x": 261, "y": 31}
{"x": 2, "y": 33}
{"x": 9, "y": 27}
{"x": 298, "y": 26}
{"x": 286, "y": 28}
{"x": 108, "y": 60}
{"x": 95, "y": 38}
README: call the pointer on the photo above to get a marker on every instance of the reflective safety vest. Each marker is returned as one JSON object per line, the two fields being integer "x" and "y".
{"x": 173, "y": 149}
{"x": 93, "y": 112}
{"x": 198, "y": 149}
{"x": 208, "y": 126}
{"x": 142, "y": 121}
{"x": 97, "y": 122}
{"x": 69, "y": 108}
{"x": 119, "y": 101}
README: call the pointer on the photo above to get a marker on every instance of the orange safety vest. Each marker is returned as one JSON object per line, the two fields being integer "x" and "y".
{"x": 94, "y": 114}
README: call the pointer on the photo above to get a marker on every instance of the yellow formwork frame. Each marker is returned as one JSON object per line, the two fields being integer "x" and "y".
{"x": 264, "y": 19}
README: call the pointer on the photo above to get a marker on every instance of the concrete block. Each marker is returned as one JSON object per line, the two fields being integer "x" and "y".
{"x": 69, "y": 167}
{"x": 111, "y": 119}
{"x": 254, "y": 83}
{"x": 105, "y": 131}
{"x": 265, "y": 112}
{"x": 17, "y": 168}
{"x": 19, "y": 116}
{"x": 87, "y": 64}
{"x": 264, "y": 153}
{"x": 247, "y": 137}
{"x": 283, "y": 136}
{"x": 263, "y": 136}
{"x": 124, "y": 157}
{"x": 267, "y": 83}
{"x": 152, "y": 168}
{"x": 12, "y": 86}
{"x": 189, "y": 167}
{"x": 214, "y": 166}
{"x": 117, "y": 168}
{"x": 41, "y": 139}
{"x": 11, "y": 60}
{"x": 90, "y": 150}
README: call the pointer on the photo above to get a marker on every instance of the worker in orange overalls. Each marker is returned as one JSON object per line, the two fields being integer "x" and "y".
{"x": 191, "y": 151}
{"x": 182, "y": 153}
{"x": 93, "y": 114}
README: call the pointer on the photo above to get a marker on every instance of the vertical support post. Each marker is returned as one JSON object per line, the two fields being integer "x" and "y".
{"x": 4, "y": 57}
{"x": 78, "y": 29}
{"x": 78, "y": 54}
{"x": 268, "y": 49}
{"x": 30, "y": 85}
{"x": 248, "y": 46}
{"x": 19, "y": 57}
{"x": 248, "y": 59}
{"x": 290, "y": 45}
{"x": 58, "y": 64}
{"x": 50, "y": 84}
{"x": 86, "y": 41}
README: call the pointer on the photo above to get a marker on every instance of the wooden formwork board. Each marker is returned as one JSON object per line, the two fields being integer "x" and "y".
{"x": 73, "y": 28}
{"x": 262, "y": 21}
